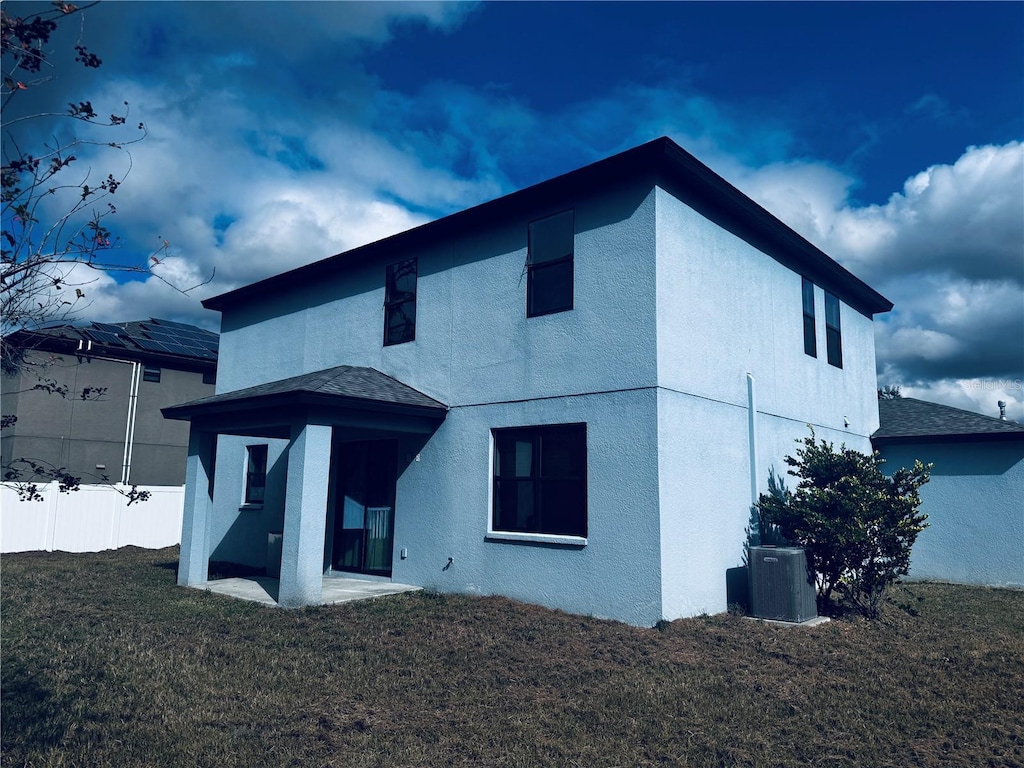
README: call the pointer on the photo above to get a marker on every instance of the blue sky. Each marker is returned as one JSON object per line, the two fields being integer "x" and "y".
{"x": 886, "y": 133}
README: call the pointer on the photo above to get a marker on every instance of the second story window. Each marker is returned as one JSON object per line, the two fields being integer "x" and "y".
{"x": 549, "y": 285}
{"x": 151, "y": 373}
{"x": 400, "y": 303}
{"x": 833, "y": 332}
{"x": 810, "y": 340}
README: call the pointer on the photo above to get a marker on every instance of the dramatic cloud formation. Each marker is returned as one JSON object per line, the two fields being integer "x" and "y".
{"x": 275, "y": 140}
{"x": 948, "y": 251}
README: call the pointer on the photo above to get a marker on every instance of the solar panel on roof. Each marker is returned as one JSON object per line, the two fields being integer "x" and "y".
{"x": 172, "y": 324}
{"x": 107, "y": 328}
{"x": 103, "y": 337}
{"x": 153, "y": 346}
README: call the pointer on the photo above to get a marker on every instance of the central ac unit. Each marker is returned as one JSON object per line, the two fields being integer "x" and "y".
{"x": 781, "y": 586}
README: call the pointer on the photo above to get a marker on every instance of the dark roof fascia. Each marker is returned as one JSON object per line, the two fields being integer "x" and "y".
{"x": 658, "y": 159}
{"x": 973, "y": 437}
{"x": 286, "y": 400}
{"x": 68, "y": 345}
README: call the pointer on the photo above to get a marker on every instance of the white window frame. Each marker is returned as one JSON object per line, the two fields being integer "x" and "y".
{"x": 518, "y": 536}
{"x": 245, "y": 503}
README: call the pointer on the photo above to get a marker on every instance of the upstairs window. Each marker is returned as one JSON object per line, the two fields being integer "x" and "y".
{"x": 549, "y": 265}
{"x": 810, "y": 340}
{"x": 400, "y": 303}
{"x": 540, "y": 480}
{"x": 256, "y": 474}
{"x": 151, "y": 373}
{"x": 833, "y": 332}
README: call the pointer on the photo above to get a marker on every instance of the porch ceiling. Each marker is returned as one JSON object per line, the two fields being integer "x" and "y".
{"x": 345, "y": 394}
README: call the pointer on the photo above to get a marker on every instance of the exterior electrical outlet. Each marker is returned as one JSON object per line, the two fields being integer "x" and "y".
{"x": 781, "y": 587}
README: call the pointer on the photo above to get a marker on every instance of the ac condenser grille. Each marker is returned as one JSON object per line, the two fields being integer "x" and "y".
{"x": 781, "y": 587}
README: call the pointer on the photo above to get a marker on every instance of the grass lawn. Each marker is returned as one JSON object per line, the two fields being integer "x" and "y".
{"x": 106, "y": 662}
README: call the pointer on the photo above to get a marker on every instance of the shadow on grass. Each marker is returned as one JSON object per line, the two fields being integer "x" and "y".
{"x": 33, "y": 717}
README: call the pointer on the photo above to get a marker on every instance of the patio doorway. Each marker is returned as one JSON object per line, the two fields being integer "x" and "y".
{"x": 364, "y": 523}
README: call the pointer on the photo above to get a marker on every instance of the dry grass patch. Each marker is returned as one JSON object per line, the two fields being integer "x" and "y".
{"x": 107, "y": 663}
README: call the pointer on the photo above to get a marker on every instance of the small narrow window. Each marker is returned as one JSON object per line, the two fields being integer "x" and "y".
{"x": 400, "y": 303}
{"x": 210, "y": 377}
{"x": 833, "y": 331}
{"x": 549, "y": 282}
{"x": 540, "y": 480}
{"x": 810, "y": 340}
{"x": 151, "y": 373}
{"x": 256, "y": 474}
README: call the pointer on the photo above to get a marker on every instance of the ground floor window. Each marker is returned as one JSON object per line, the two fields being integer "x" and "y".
{"x": 540, "y": 480}
{"x": 256, "y": 474}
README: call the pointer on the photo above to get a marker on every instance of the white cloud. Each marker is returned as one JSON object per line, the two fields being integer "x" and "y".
{"x": 978, "y": 395}
{"x": 252, "y": 170}
{"x": 948, "y": 250}
{"x": 966, "y": 218}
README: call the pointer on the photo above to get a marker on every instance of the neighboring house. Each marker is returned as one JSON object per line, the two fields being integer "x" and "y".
{"x": 88, "y": 400}
{"x": 975, "y": 498}
{"x": 568, "y": 395}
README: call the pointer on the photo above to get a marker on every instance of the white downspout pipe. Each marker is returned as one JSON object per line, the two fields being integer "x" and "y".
{"x": 129, "y": 429}
{"x": 752, "y": 438}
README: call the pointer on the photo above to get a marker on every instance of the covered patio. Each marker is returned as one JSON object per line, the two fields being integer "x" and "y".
{"x": 314, "y": 413}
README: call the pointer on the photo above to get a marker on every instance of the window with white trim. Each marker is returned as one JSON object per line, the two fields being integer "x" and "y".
{"x": 540, "y": 480}
{"x": 255, "y": 474}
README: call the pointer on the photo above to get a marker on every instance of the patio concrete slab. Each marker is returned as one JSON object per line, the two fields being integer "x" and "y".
{"x": 809, "y": 623}
{"x": 336, "y": 589}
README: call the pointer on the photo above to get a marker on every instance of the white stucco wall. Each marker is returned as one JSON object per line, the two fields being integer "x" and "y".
{"x": 725, "y": 309}
{"x": 443, "y": 508}
{"x": 975, "y": 507}
{"x": 476, "y": 350}
{"x": 670, "y": 313}
{"x": 238, "y": 532}
{"x": 474, "y": 343}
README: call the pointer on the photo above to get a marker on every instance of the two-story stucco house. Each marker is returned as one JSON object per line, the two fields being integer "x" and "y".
{"x": 567, "y": 395}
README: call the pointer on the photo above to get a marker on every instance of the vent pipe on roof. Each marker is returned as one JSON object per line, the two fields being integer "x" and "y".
{"x": 1002, "y": 410}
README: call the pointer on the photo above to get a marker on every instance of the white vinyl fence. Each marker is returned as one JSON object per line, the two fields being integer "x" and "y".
{"x": 92, "y": 519}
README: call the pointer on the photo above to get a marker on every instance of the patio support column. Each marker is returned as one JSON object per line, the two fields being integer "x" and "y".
{"x": 305, "y": 516}
{"x": 194, "y": 560}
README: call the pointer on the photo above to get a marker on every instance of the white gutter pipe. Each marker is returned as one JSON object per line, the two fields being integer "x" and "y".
{"x": 129, "y": 430}
{"x": 752, "y": 438}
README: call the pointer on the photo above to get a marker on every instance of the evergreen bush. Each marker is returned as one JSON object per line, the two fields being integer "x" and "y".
{"x": 856, "y": 524}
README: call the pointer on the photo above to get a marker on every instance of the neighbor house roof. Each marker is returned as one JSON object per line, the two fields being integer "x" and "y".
{"x": 661, "y": 161}
{"x": 345, "y": 385}
{"x": 908, "y": 420}
{"x": 154, "y": 339}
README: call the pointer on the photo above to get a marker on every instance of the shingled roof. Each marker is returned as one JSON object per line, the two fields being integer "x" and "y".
{"x": 345, "y": 385}
{"x": 908, "y": 420}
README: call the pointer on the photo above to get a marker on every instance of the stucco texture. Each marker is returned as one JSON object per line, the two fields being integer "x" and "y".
{"x": 670, "y": 313}
{"x": 975, "y": 507}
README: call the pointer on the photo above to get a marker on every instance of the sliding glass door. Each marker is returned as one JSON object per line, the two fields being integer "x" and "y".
{"x": 364, "y": 526}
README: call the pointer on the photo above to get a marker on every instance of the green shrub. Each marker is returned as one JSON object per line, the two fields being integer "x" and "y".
{"x": 857, "y": 525}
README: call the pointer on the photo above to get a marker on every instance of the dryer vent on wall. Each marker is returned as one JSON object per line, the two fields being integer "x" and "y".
{"x": 781, "y": 587}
